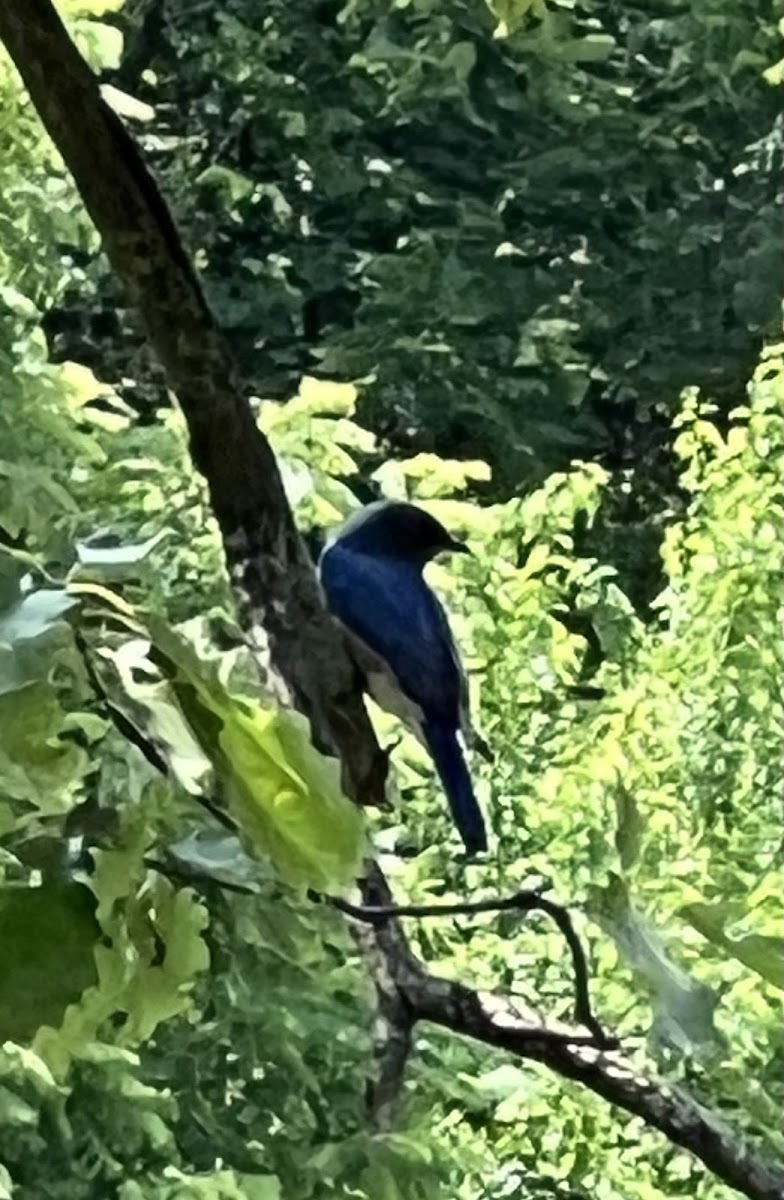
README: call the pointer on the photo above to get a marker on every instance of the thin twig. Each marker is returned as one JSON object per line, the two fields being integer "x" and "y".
{"x": 523, "y": 901}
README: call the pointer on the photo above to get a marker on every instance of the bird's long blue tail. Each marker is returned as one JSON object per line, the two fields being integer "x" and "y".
{"x": 453, "y": 773}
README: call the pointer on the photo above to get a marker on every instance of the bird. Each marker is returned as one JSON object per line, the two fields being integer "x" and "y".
{"x": 371, "y": 574}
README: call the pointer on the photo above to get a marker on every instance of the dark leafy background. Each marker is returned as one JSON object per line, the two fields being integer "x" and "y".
{"x": 526, "y": 247}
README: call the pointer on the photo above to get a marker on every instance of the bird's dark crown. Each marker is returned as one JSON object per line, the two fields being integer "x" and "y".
{"x": 398, "y": 529}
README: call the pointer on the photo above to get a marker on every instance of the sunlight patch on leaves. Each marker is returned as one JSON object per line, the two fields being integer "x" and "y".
{"x": 285, "y": 795}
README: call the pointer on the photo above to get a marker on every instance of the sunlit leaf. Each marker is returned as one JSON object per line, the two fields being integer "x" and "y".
{"x": 285, "y": 795}
{"x": 127, "y": 106}
{"x": 762, "y": 954}
{"x": 322, "y": 396}
{"x": 511, "y": 14}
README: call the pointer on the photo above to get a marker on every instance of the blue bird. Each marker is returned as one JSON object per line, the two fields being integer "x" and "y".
{"x": 371, "y": 573}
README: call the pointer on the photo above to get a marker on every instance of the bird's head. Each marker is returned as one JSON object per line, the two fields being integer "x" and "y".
{"x": 396, "y": 529}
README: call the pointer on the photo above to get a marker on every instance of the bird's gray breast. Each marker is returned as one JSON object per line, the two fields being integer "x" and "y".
{"x": 382, "y": 685}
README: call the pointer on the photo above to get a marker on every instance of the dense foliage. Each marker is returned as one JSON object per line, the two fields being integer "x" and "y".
{"x": 526, "y": 246}
{"x": 177, "y": 1022}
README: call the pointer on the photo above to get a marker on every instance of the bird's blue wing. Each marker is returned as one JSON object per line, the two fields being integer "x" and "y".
{"x": 387, "y": 604}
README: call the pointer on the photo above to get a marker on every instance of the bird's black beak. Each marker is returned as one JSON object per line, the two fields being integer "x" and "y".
{"x": 456, "y": 547}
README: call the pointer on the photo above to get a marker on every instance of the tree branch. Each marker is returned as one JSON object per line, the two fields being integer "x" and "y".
{"x": 393, "y": 1026}
{"x": 498, "y": 1022}
{"x": 523, "y": 901}
{"x": 280, "y": 605}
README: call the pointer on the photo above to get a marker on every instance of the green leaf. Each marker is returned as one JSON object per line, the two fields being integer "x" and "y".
{"x": 321, "y": 396}
{"x": 461, "y": 58}
{"x": 35, "y": 765}
{"x": 217, "y": 1185}
{"x": 285, "y": 795}
{"x": 17, "y": 303}
{"x": 436, "y": 476}
{"x": 161, "y": 989}
{"x": 113, "y": 561}
{"x": 502, "y": 1083}
{"x": 287, "y": 798}
{"x": 128, "y": 107}
{"x": 83, "y": 386}
{"x": 31, "y": 499}
{"x": 629, "y": 828}
{"x": 596, "y": 47}
{"x": 47, "y": 938}
{"x": 151, "y": 949}
{"x": 761, "y": 953}
{"x": 219, "y": 857}
{"x": 101, "y": 44}
{"x": 89, "y": 8}
{"x": 511, "y": 14}
{"x": 236, "y": 187}
{"x": 151, "y": 703}
{"x": 6, "y": 1184}
{"x": 35, "y": 614}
